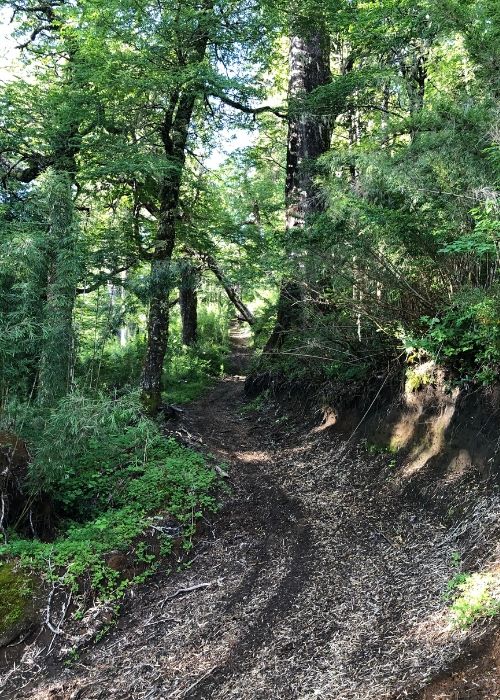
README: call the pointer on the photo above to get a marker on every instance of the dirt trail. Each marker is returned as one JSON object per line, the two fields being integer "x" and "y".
{"x": 318, "y": 586}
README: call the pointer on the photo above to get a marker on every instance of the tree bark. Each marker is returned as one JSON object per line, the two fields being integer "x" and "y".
{"x": 188, "y": 300}
{"x": 308, "y": 138}
{"x": 56, "y": 357}
{"x": 160, "y": 283}
{"x": 174, "y": 136}
{"x": 414, "y": 70}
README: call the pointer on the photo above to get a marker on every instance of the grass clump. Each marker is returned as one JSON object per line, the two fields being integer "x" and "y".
{"x": 256, "y": 404}
{"x": 473, "y": 597}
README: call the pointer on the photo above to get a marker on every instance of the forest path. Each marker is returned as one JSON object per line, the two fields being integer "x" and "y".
{"x": 308, "y": 584}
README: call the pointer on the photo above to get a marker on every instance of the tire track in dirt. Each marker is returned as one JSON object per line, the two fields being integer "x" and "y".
{"x": 262, "y": 626}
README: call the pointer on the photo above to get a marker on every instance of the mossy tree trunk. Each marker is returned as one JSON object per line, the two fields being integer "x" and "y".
{"x": 174, "y": 135}
{"x": 57, "y": 347}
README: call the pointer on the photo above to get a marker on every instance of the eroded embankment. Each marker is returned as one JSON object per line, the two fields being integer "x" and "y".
{"x": 322, "y": 578}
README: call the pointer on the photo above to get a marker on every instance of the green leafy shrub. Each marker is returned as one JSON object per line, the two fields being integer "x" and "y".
{"x": 483, "y": 240}
{"x": 466, "y": 336}
{"x": 189, "y": 371}
{"x": 107, "y": 470}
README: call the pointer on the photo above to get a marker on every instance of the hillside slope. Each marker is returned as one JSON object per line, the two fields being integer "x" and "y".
{"x": 316, "y": 580}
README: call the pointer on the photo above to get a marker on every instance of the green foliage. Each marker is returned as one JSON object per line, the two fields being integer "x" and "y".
{"x": 473, "y": 597}
{"x": 188, "y": 371}
{"x": 484, "y": 239}
{"x": 467, "y": 335}
{"x": 377, "y": 449}
{"x": 256, "y": 404}
{"x": 115, "y": 367}
{"x": 108, "y": 470}
{"x": 57, "y": 328}
{"x": 326, "y": 350}
{"x": 406, "y": 246}
{"x": 403, "y": 249}
{"x": 189, "y": 376}
{"x": 418, "y": 377}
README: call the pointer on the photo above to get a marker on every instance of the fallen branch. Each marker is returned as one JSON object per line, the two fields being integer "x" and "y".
{"x": 183, "y": 591}
{"x": 230, "y": 289}
{"x": 54, "y": 630}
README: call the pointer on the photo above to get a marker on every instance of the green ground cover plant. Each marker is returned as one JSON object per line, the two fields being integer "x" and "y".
{"x": 110, "y": 474}
{"x": 473, "y": 597}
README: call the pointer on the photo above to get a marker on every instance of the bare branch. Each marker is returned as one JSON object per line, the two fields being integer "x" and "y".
{"x": 105, "y": 277}
{"x": 33, "y": 36}
{"x": 246, "y": 108}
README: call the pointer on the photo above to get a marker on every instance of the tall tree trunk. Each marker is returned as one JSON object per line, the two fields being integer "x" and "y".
{"x": 308, "y": 138}
{"x": 414, "y": 70}
{"x": 174, "y": 136}
{"x": 56, "y": 358}
{"x": 124, "y": 330}
{"x": 158, "y": 318}
{"x": 354, "y": 139}
{"x": 188, "y": 301}
{"x": 116, "y": 302}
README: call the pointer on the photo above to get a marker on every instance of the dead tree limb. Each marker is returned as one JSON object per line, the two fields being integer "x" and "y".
{"x": 212, "y": 264}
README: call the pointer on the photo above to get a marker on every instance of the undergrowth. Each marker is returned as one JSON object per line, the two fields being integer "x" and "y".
{"x": 188, "y": 371}
{"x": 465, "y": 336}
{"x": 472, "y": 596}
{"x": 110, "y": 475}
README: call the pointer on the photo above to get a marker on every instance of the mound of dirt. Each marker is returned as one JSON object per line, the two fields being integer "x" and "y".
{"x": 476, "y": 675}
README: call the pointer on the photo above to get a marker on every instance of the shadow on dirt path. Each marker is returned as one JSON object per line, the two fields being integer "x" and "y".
{"x": 314, "y": 581}
{"x": 269, "y": 510}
